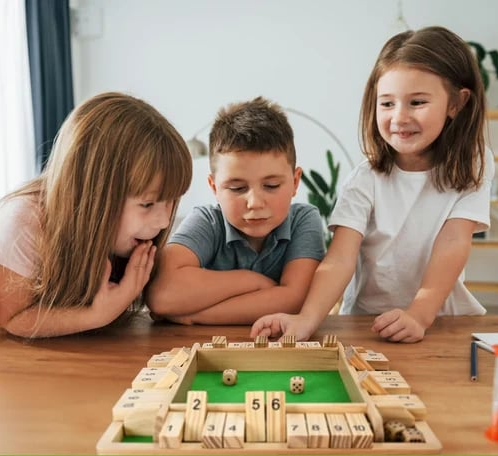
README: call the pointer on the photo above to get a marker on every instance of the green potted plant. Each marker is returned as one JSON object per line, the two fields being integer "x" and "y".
{"x": 481, "y": 54}
{"x": 323, "y": 192}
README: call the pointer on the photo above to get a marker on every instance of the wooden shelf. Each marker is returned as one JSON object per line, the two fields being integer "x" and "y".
{"x": 482, "y": 286}
{"x": 485, "y": 243}
{"x": 492, "y": 115}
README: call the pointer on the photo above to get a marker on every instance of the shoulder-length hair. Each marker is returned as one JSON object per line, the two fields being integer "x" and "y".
{"x": 458, "y": 153}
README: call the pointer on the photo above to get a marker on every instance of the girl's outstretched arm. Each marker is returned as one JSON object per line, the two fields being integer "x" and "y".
{"x": 328, "y": 284}
{"x": 449, "y": 254}
{"x": 21, "y": 317}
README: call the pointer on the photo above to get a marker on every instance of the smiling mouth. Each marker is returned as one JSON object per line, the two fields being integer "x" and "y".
{"x": 405, "y": 134}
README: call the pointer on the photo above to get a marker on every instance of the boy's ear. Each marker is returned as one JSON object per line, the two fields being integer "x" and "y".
{"x": 297, "y": 178}
{"x": 462, "y": 98}
{"x": 211, "y": 183}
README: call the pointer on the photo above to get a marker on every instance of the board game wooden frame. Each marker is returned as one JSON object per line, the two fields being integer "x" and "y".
{"x": 181, "y": 365}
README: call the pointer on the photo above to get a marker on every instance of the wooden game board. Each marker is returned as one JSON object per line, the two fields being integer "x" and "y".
{"x": 160, "y": 404}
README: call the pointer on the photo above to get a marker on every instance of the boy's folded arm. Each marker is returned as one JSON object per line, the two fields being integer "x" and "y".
{"x": 182, "y": 287}
{"x": 244, "y": 309}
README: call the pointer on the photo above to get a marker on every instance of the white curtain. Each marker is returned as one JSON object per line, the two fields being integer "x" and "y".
{"x": 17, "y": 154}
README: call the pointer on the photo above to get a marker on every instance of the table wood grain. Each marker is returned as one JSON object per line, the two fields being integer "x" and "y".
{"x": 56, "y": 395}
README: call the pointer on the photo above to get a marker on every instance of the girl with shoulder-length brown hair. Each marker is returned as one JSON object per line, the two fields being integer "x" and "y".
{"x": 404, "y": 220}
{"x": 107, "y": 196}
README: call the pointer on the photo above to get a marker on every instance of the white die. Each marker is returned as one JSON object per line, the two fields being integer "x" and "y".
{"x": 296, "y": 384}
{"x": 229, "y": 377}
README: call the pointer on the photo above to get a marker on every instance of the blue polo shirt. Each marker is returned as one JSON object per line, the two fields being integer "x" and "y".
{"x": 221, "y": 247}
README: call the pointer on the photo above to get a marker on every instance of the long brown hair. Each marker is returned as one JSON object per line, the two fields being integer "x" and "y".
{"x": 109, "y": 148}
{"x": 458, "y": 153}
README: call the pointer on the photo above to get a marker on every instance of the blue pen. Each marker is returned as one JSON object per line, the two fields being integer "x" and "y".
{"x": 473, "y": 361}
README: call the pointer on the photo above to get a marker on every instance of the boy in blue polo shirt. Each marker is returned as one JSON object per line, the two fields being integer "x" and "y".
{"x": 254, "y": 252}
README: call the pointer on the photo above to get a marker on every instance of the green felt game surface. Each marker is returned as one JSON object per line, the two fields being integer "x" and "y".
{"x": 137, "y": 439}
{"x": 320, "y": 386}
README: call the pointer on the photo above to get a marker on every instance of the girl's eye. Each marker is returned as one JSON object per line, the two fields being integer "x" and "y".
{"x": 237, "y": 189}
{"x": 146, "y": 205}
{"x": 418, "y": 102}
{"x": 272, "y": 186}
{"x": 387, "y": 104}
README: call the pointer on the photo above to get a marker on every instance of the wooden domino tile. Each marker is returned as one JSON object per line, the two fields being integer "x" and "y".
{"x": 340, "y": 434}
{"x": 171, "y": 433}
{"x": 148, "y": 377}
{"x": 236, "y": 345}
{"x": 318, "y": 433}
{"x": 361, "y": 434}
{"x": 288, "y": 341}
{"x": 134, "y": 398}
{"x": 377, "y": 360}
{"x": 255, "y": 416}
{"x": 195, "y": 414}
{"x": 297, "y": 431}
{"x": 141, "y": 420}
{"x": 392, "y": 382}
{"x": 233, "y": 435}
{"x": 261, "y": 341}
{"x": 212, "y": 432}
{"x": 219, "y": 342}
{"x": 169, "y": 378}
{"x": 275, "y": 416}
{"x": 180, "y": 358}
{"x": 411, "y": 402}
{"x": 355, "y": 359}
{"x": 308, "y": 344}
{"x": 370, "y": 383}
{"x": 161, "y": 360}
{"x": 329, "y": 340}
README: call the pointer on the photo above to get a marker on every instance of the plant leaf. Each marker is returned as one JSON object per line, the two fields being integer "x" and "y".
{"x": 480, "y": 51}
{"x": 319, "y": 201}
{"x": 485, "y": 77}
{"x": 320, "y": 181}
{"x": 334, "y": 180}
{"x": 494, "y": 58}
{"x": 330, "y": 161}
{"x": 308, "y": 183}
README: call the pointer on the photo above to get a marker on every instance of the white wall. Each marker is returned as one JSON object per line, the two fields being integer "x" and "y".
{"x": 190, "y": 57}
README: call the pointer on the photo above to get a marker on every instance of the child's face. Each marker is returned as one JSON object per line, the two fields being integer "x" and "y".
{"x": 254, "y": 191}
{"x": 412, "y": 107}
{"x": 142, "y": 219}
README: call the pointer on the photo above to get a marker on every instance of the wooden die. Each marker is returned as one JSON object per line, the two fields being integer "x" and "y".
{"x": 229, "y": 377}
{"x": 296, "y": 384}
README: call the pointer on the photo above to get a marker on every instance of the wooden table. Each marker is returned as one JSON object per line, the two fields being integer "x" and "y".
{"x": 56, "y": 395}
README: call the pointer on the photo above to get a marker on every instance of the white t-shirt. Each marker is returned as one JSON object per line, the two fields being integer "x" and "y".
{"x": 19, "y": 228}
{"x": 400, "y": 216}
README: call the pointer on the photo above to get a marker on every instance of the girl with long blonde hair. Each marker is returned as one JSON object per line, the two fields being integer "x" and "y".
{"x": 107, "y": 197}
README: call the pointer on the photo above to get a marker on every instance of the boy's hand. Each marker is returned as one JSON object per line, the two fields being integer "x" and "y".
{"x": 398, "y": 326}
{"x": 112, "y": 299}
{"x": 281, "y": 324}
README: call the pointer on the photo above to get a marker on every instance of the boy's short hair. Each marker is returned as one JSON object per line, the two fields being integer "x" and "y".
{"x": 257, "y": 125}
